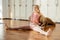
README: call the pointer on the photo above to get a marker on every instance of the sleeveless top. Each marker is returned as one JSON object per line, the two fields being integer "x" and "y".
{"x": 35, "y": 18}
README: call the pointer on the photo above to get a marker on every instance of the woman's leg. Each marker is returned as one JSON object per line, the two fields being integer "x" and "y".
{"x": 21, "y": 27}
{"x": 38, "y": 29}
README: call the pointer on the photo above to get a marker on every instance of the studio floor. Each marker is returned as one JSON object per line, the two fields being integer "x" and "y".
{"x": 27, "y": 34}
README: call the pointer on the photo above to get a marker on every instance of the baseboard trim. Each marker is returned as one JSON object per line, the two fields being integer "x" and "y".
{"x": 7, "y": 18}
{"x": 15, "y": 19}
{"x": 58, "y": 22}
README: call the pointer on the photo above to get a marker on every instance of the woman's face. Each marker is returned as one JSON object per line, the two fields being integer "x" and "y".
{"x": 36, "y": 8}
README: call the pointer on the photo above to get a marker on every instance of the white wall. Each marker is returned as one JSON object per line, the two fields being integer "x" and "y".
{"x": 5, "y": 9}
{"x": 22, "y": 9}
{"x": 0, "y": 8}
{"x": 58, "y": 11}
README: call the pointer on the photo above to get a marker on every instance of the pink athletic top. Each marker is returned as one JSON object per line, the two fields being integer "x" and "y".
{"x": 35, "y": 18}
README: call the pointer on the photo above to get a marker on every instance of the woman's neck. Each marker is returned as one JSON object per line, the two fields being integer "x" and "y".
{"x": 36, "y": 11}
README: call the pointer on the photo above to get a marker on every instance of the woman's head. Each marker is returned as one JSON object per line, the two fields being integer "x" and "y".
{"x": 36, "y": 8}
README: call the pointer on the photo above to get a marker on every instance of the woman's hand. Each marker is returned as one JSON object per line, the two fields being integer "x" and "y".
{"x": 48, "y": 33}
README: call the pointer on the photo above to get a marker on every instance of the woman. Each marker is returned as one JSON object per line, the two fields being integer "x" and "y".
{"x": 34, "y": 21}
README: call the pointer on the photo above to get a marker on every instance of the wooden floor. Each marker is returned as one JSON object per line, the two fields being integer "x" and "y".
{"x": 27, "y": 34}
